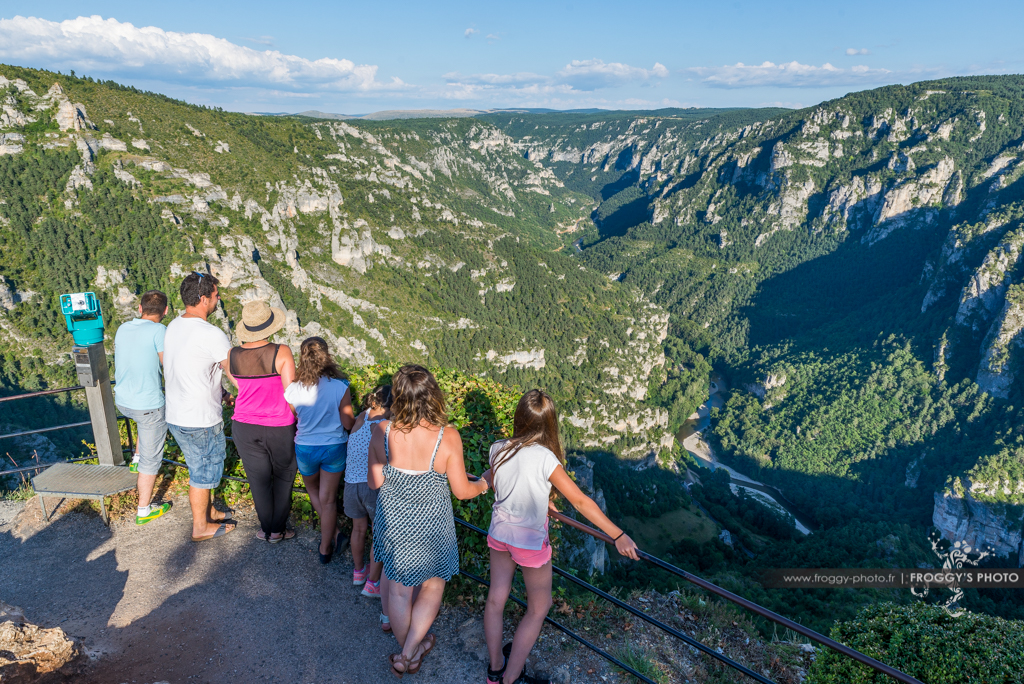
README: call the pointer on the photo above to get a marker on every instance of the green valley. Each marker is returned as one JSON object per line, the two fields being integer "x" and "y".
{"x": 853, "y": 270}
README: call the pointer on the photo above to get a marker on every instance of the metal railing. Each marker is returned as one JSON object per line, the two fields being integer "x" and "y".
{"x": 876, "y": 665}
{"x": 25, "y": 433}
{"x": 690, "y": 641}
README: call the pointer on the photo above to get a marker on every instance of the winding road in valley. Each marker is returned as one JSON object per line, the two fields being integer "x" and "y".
{"x": 692, "y": 439}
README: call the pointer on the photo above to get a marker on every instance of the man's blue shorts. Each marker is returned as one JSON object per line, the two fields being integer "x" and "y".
{"x": 204, "y": 451}
{"x": 329, "y": 458}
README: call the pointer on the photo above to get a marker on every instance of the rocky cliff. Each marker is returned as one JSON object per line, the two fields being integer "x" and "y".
{"x": 959, "y": 516}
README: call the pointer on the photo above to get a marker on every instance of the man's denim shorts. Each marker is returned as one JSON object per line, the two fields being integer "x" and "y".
{"x": 152, "y": 433}
{"x": 204, "y": 450}
{"x": 329, "y": 458}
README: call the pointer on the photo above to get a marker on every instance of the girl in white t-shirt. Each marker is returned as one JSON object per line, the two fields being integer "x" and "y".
{"x": 523, "y": 469}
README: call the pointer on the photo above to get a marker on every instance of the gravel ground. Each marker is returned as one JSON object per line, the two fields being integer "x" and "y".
{"x": 151, "y": 606}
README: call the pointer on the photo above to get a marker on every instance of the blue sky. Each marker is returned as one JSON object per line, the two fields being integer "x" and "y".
{"x": 362, "y": 57}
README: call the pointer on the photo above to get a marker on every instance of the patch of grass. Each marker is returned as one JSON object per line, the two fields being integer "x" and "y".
{"x": 24, "y": 492}
{"x": 657, "y": 535}
{"x": 641, "y": 660}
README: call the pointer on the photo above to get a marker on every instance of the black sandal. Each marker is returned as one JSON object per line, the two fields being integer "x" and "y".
{"x": 494, "y": 677}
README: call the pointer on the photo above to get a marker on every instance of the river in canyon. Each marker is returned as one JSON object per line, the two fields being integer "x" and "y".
{"x": 691, "y": 437}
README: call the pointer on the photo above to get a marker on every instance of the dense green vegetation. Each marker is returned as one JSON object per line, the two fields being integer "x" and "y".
{"x": 927, "y": 643}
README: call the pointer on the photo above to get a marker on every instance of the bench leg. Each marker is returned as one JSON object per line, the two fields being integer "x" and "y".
{"x": 42, "y": 503}
{"x": 103, "y": 510}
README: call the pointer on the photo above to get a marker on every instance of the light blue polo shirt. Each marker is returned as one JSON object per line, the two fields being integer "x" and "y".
{"x": 137, "y": 366}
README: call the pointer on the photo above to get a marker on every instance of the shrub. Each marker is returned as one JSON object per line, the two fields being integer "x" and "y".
{"x": 925, "y": 642}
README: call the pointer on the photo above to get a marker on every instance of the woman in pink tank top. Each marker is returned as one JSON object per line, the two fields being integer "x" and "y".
{"x": 263, "y": 425}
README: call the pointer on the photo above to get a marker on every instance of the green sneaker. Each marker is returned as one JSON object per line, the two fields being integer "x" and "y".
{"x": 133, "y": 467}
{"x": 155, "y": 511}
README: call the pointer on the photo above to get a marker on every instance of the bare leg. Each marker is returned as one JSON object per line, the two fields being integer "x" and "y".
{"x": 201, "y": 503}
{"x": 399, "y": 609}
{"x": 328, "y": 509}
{"x": 146, "y": 484}
{"x": 384, "y": 598}
{"x": 503, "y": 571}
{"x": 358, "y": 541}
{"x": 376, "y": 569}
{"x": 424, "y": 612}
{"x": 538, "y": 602}
{"x": 312, "y": 484}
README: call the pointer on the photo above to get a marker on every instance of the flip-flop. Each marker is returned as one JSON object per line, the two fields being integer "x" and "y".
{"x": 288, "y": 534}
{"x": 221, "y": 531}
{"x": 227, "y": 517}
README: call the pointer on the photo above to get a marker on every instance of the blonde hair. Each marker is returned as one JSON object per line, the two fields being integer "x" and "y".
{"x": 315, "y": 362}
{"x": 417, "y": 399}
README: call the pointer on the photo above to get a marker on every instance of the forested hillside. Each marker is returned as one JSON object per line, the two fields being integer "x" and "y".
{"x": 427, "y": 240}
{"x": 852, "y": 269}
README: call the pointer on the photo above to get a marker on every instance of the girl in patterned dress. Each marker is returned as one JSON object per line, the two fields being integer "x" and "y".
{"x": 414, "y": 458}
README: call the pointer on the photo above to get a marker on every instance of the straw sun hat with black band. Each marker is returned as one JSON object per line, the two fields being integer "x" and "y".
{"x": 259, "y": 321}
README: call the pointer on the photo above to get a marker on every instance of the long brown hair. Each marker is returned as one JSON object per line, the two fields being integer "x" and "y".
{"x": 535, "y": 422}
{"x": 417, "y": 399}
{"x": 315, "y": 362}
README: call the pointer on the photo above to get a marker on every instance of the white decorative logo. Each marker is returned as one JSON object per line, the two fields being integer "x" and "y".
{"x": 958, "y": 555}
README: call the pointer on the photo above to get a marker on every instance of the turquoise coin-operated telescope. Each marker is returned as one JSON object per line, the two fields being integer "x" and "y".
{"x": 85, "y": 323}
{"x": 84, "y": 318}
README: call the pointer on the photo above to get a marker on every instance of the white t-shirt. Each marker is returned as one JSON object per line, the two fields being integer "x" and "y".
{"x": 521, "y": 489}
{"x": 193, "y": 350}
{"x": 318, "y": 410}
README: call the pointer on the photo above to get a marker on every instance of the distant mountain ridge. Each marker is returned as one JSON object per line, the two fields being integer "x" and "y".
{"x": 392, "y": 114}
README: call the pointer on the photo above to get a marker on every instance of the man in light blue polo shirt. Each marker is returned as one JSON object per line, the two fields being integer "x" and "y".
{"x": 138, "y": 354}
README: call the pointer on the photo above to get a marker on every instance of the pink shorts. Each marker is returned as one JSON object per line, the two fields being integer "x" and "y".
{"x": 528, "y": 558}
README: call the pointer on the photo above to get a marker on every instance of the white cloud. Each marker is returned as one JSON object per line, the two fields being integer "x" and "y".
{"x": 576, "y": 77}
{"x": 592, "y": 74}
{"x": 518, "y": 79}
{"x": 96, "y": 45}
{"x": 262, "y": 40}
{"x": 470, "y": 32}
{"x": 856, "y": 51}
{"x": 491, "y": 37}
{"x": 788, "y": 75}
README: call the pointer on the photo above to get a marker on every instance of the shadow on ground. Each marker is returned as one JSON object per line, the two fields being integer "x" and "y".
{"x": 150, "y": 606}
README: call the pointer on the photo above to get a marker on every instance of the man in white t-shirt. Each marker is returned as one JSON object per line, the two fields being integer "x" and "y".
{"x": 195, "y": 360}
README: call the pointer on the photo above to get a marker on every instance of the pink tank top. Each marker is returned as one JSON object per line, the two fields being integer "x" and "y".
{"x": 260, "y": 394}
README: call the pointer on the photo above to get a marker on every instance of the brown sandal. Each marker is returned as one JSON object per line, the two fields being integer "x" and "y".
{"x": 406, "y": 662}
{"x": 428, "y": 644}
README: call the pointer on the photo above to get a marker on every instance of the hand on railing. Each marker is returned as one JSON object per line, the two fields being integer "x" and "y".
{"x": 626, "y": 547}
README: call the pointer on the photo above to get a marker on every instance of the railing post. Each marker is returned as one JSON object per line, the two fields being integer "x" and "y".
{"x": 94, "y": 375}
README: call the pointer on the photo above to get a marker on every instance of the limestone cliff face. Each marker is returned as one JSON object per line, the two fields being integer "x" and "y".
{"x": 1002, "y": 347}
{"x": 961, "y": 517}
{"x": 581, "y": 551}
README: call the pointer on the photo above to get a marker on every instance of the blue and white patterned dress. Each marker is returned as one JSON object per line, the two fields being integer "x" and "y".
{"x": 414, "y": 532}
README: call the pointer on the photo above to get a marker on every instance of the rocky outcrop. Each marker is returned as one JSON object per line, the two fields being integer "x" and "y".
{"x": 998, "y": 365}
{"x": 355, "y": 251}
{"x": 11, "y": 143}
{"x": 72, "y": 117}
{"x": 910, "y": 197}
{"x": 960, "y": 517}
{"x": 29, "y": 653}
{"x": 532, "y": 358}
{"x": 984, "y": 292}
{"x": 579, "y": 550}
{"x": 7, "y": 295}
